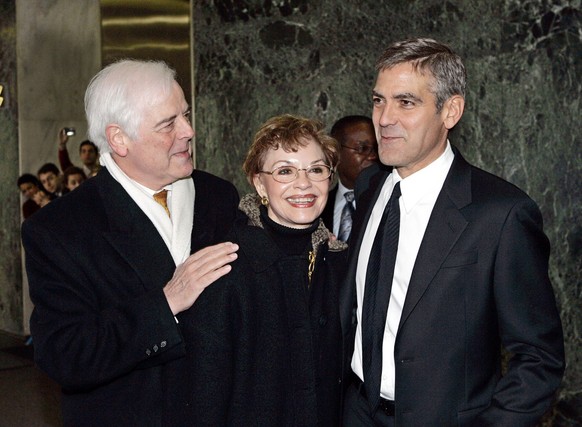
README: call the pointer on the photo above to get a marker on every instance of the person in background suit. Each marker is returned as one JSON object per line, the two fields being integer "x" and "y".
{"x": 358, "y": 150}
{"x": 470, "y": 275}
{"x": 112, "y": 269}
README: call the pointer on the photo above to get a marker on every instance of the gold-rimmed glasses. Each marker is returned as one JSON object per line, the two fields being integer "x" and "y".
{"x": 287, "y": 173}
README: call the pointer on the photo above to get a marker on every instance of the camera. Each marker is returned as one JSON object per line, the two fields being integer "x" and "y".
{"x": 69, "y": 131}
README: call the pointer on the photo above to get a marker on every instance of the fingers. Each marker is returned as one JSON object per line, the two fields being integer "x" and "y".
{"x": 211, "y": 253}
{"x": 63, "y": 137}
{"x": 200, "y": 270}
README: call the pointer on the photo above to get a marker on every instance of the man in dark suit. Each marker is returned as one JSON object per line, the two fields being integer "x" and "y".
{"x": 358, "y": 150}
{"x": 459, "y": 269}
{"x": 110, "y": 265}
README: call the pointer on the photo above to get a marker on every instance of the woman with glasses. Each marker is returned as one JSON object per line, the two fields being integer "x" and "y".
{"x": 266, "y": 339}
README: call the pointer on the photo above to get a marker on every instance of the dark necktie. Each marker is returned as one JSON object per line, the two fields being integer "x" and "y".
{"x": 346, "y": 218}
{"x": 377, "y": 295}
{"x": 162, "y": 198}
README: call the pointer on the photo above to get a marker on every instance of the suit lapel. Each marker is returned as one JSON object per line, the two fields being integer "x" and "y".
{"x": 133, "y": 236}
{"x": 445, "y": 226}
{"x": 204, "y": 221}
{"x": 327, "y": 214}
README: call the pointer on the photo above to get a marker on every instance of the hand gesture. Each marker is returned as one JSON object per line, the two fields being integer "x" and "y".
{"x": 196, "y": 273}
{"x": 63, "y": 138}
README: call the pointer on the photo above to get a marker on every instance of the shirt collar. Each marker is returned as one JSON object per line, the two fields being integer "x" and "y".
{"x": 341, "y": 189}
{"x": 427, "y": 180}
{"x": 120, "y": 176}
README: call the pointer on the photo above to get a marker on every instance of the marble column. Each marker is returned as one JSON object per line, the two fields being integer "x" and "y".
{"x": 11, "y": 306}
{"x": 49, "y": 51}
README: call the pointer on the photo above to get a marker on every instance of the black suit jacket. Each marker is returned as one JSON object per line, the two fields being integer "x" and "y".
{"x": 101, "y": 325}
{"x": 327, "y": 214}
{"x": 480, "y": 281}
{"x": 361, "y": 182}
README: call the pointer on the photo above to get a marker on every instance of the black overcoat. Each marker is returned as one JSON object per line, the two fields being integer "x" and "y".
{"x": 101, "y": 325}
{"x": 265, "y": 346}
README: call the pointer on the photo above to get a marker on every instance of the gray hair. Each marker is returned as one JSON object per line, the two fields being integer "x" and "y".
{"x": 446, "y": 67}
{"x": 121, "y": 93}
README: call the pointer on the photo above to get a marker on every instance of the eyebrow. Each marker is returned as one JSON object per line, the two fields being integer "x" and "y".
{"x": 365, "y": 142}
{"x": 374, "y": 93}
{"x": 292, "y": 162}
{"x": 406, "y": 95}
{"x": 171, "y": 118}
{"x": 166, "y": 120}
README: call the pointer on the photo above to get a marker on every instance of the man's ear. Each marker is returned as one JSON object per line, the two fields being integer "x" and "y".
{"x": 259, "y": 187}
{"x": 453, "y": 110}
{"x": 117, "y": 140}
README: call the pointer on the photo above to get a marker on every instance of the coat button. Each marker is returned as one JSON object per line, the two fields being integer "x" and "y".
{"x": 323, "y": 320}
{"x": 148, "y": 352}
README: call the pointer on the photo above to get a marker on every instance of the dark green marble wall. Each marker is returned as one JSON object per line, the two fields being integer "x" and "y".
{"x": 10, "y": 260}
{"x": 256, "y": 59}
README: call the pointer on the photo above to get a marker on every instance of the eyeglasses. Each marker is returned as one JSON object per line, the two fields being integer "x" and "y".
{"x": 362, "y": 149}
{"x": 286, "y": 174}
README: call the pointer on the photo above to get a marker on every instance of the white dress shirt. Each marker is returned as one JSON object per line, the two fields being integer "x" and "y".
{"x": 419, "y": 194}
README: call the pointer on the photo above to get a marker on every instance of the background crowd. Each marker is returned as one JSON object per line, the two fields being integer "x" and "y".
{"x": 51, "y": 182}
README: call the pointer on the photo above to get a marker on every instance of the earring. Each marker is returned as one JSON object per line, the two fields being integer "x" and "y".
{"x": 264, "y": 201}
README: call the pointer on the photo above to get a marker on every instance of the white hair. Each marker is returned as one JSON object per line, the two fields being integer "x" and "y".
{"x": 120, "y": 94}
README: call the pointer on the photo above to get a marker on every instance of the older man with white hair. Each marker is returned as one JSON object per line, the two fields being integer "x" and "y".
{"x": 113, "y": 265}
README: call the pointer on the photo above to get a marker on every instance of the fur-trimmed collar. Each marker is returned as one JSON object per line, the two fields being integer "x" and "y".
{"x": 249, "y": 204}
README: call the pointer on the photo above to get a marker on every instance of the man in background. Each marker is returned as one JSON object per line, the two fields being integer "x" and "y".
{"x": 51, "y": 179}
{"x": 358, "y": 150}
{"x": 88, "y": 152}
{"x": 114, "y": 264}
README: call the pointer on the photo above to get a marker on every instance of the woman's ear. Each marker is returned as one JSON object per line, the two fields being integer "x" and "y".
{"x": 259, "y": 187}
{"x": 453, "y": 110}
{"x": 117, "y": 140}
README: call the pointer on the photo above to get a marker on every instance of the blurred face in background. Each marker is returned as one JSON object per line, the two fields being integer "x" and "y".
{"x": 49, "y": 181}
{"x": 88, "y": 155}
{"x": 28, "y": 189}
{"x": 358, "y": 151}
{"x": 74, "y": 180}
